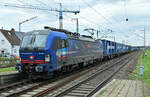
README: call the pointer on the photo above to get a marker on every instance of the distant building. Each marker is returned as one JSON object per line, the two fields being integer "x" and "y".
{"x": 10, "y": 42}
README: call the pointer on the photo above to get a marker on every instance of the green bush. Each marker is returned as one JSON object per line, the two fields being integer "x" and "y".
{"x": 8, "y": 61}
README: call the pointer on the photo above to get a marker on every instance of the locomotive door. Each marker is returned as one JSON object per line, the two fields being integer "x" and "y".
{"x": 61, "y": 52}
{"x": 64, "y": 49}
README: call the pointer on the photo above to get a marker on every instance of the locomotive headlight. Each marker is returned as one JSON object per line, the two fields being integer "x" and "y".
{"x": 47, "y": 58}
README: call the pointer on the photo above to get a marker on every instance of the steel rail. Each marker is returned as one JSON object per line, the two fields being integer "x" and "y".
{"x": 65, "y": 92}
{"x": 101, "y": 84}
{"x": 8, "y": 87}
{"x": 16, "y": 94}
{"x": 42, "y": 93}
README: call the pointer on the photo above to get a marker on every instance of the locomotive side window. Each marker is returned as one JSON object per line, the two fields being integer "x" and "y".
{"x": 63, "y": 43}
{"x": 59, "y": 44}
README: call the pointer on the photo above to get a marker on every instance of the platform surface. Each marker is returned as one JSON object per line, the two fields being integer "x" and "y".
{"x": 121, "y": 88}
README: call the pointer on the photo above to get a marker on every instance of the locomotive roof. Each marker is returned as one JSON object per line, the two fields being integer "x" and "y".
{"x": 69, "y": 35}
{"x": 39, "y": 32}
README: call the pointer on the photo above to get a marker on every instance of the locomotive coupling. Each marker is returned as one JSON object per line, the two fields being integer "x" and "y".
{"x": 18, "y": 68}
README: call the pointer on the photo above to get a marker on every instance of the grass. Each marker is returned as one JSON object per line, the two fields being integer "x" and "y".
{"x": 146, "y": 63}
{"x": 7, "y": 69}
{"x": 100, "y": 93}
{"x": 132, "y": 76}
{"x": 146, "y": 74}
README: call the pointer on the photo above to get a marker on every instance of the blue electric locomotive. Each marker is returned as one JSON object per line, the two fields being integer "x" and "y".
{"x": 43, "y": 52}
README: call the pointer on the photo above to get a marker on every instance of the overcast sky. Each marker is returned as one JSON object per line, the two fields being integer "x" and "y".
{"x": 98, "y": 14}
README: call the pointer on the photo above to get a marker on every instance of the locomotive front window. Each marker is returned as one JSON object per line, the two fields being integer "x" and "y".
{"x": 40, "y": 41}
{"x": 34, "y": 41}
{"x": 27, "y": 41}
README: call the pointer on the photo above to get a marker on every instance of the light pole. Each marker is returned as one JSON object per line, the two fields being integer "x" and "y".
{"x": 144, "y": 30}
{"x": 25, "y": 21}
{"x": 112, "y": 36}
{"x": 77, "y": 25}
{"x": 98, "y": 31}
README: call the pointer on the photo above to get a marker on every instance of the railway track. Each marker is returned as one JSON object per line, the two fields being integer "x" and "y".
{"x": 19, "y": 88}
{"x": 90, "y": 85}
{"x": 41, "y": 89}
{"x": 17, "y": 84}
{"x": 53, "y": 90}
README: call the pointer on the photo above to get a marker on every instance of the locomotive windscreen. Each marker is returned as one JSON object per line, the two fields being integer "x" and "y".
{"x": 34, "y": 42}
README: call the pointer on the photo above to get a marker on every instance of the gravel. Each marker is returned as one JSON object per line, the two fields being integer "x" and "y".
{"x": 127, "y": 69}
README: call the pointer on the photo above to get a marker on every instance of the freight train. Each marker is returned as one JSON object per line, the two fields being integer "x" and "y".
{"x": 44, "y": 52}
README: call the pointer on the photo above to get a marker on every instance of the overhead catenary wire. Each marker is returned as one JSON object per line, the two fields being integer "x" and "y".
{"x": 92, "y": 22}
{"x": 61, "y": 11}
{"x": 22, "y": 2}
{"x": 96, "y": 11}
{"x": 41, "y": 2}
{"x": 107, "y": 20}
{"x": 125, "y": 10}
{"x": 109, "y": 11}
{"x": 98, "y": 25}
{"x": 33, "y": 6}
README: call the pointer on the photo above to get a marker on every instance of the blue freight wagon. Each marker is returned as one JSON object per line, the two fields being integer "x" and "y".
{"x": 109, "y": 48}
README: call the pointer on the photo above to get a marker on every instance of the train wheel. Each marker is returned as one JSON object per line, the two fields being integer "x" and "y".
{"x": 80, "y": 65}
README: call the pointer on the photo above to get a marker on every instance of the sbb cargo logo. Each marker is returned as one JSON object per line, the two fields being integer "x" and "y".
{"x": 110, "y": 47}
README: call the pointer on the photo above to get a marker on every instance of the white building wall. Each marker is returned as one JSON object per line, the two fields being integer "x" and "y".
{"x": 16, "y": 50}
{"x": 4, "y": 44}
{"x": 7, "y": 47}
